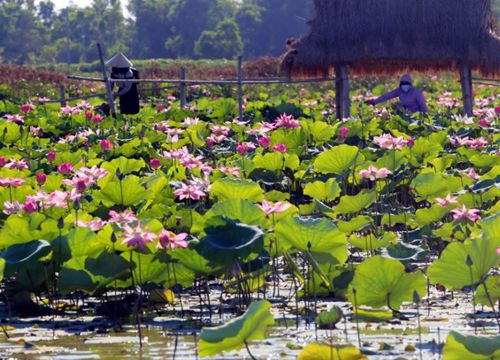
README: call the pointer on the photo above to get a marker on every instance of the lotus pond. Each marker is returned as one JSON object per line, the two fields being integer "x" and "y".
{"x": 189, "y": 233}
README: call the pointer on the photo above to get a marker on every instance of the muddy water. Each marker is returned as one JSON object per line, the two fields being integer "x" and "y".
{"x": 167, "y": 336}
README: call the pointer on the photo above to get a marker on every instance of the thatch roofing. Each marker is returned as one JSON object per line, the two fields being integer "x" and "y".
{"x": 386, "y": 36}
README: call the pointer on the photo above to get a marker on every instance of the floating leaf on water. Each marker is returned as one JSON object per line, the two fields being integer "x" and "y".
{"x": 460, "y": 347}
{"x": 383, "y": 282}
{"x": 252, "y": 325}
{"x": 328, "y": 319}
{"x": 317, "y": 351}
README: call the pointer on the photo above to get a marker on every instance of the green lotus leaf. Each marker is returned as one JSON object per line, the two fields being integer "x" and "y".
{"x": 276, "y": 161}
{"x": 236, "y": 189}
{"x": 355, "y": 224}
{"x": 372, "y": 315}
{"x": 107, "y": 265}
{"x": 426, "y": 216}
{"x": 233, "y": 335}
{"x": 78, "y": 242}
{"x": 10, "y": 132}
{"x": 383, "y": 282}
{"x": 493, "y": 286}
{"x": 227, "y": 241}
{"x": 430, "y": 184}
{"x": 317, "y": 351}
{"x": 460, "y": 347}
{"x": 370, "y": 242}
{"x": 193, "y": 260}
{"x": 318, "y": 236}
{"x": 223, "y": 109}
{"x": 128, "y": 193}
{"x": 125, "y": 165}
{"x": 391, "y": 160}
{"x": 2, "y": 268}
{"x": 405, "y": 252}
{"x": 70, "y": 280}
{"x": 323, "y": 191}
{"x": 321, "y": 131}
{"x": 328, "y": 319}
{"x": 338, "y": 159}
{"x": 18, "y": 230}
{"x": 491, "y": 227}
{"x": 238, "y": 209}
{"x": 451, "y": 269}
{"x": 483, "y": 160}
{"x": 19, "y": 256}
{"x": 294, "y": 139}
{"x": 356, "y": 203}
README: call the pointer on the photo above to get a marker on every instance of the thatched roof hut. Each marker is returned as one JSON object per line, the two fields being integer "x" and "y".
{"x": 389, "y": 36}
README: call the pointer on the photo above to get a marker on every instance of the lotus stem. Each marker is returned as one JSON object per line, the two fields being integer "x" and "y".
{"x": 248, "y": 351}
{"x": 354, "y": 292}
{"x": 416, "y": 299}
{"x": 469, "y": 263}
{"x": 491, "y": 304}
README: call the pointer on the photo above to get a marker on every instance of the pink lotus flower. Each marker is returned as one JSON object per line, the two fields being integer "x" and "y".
{"x": 190, "y": 121}
{"x": 14, "y": 182}
{"x": 26, "y": 108}
{"x": 497, "y": 110}
{"x": 3, "y": 161}
{"x": 17, "y": 164}
{"x": 17, "y": 119}
{"x": 51, "y": 156}
{"x": 465, "y": 214}
{"x": 498, "y": 251}
{"x": 477, "y": 143}
{"x": 343, "y": 132}
{"x": 137, "y": 236}
{"x": 58, "y": 199}
{"x": 88, "y": 115}
{"x": 190, "y": 162}
{"x": 410, "y": 142}
{"x": 280, "y": 148}
{"x": 218, "y": 130}
{"x": 484, "y": 122}
{"x": 373, "y": 173}
{"x": 473, "y": 175}
{"x": 155, "y": 163}
{"x": 122, "y": 218}
{"x": 160, "y": 107}
{"x": 387, "y": 141}
{"x": 277, "y": 208}
{"x": 98, "y": 118}
{"x": 69, "y": 110}
{"x": 264, "y": 141}
{"x": 41, "y": 178}
{"x": 210, "y": 141}
{"x": 447, "y": 200}
{"x": 94, "y": 225}
{"x": 30, "y": 205}
{"x": 169, "y": 241}
{"x": 234, "y": 171}
{"x": 36, "y": 131}
{"x": 105, "y": 145}
{"x": 65, "y": 168}
{"x": 11, "y": 207}
{"x": 189, "y": 192}
{"x": 245, "y": 147}
{"x": 287, "y": 122}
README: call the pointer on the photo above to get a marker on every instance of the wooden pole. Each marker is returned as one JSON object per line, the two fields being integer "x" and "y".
{"x": 338, "y": 93}
{"x": 108, "y": 83}
{"x": 344, "y": 75}
{"x": 62, "y": 94}
{"x": 466, "y": 82}
{"x": 182, "y": 76}
{"x": 240, "y": 88}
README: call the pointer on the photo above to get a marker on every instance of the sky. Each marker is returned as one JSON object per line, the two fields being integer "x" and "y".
{"x": 64, "y": 3}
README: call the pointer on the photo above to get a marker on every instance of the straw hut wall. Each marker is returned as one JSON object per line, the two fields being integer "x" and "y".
{"x": 388, "y": 36}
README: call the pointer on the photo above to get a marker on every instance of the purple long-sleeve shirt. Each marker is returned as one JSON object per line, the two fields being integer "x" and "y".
{"x": 413, "y": 100}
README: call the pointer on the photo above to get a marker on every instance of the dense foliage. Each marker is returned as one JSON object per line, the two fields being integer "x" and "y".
{"x": 36, "y": 33}
{"x": 373, "y": 209}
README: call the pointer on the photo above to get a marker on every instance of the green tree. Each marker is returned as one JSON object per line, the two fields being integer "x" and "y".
{"x": 224, "y": 42}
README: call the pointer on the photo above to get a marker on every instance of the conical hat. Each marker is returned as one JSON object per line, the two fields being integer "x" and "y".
{"x": 119, "y": 61}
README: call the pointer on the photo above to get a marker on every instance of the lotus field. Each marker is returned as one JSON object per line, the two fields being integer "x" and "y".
{"x": 191, "y": 233}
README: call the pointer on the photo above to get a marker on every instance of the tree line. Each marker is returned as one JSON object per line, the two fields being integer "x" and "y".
{"x": 214, "y": 29}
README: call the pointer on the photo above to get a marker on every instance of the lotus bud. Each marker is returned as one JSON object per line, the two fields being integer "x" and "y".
{"x": 468, "y": 261}
{"x": 60, "y": 223}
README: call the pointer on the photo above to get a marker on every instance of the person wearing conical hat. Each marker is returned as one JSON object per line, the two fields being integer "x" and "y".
{"x": 411, "y": 99}
{"x": 122, "y": 68}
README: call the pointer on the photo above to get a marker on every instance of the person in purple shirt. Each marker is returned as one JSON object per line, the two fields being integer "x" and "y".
{"x": 411, "y": 99}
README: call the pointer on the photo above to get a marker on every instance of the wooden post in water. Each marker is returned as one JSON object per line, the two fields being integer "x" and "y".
{"x": 182, "y": 95}
{"x": 346, "y": 99}
{"x": 62, "y": 95}
{"x": 108, "y": 83}
{"x": 240, "y": 88}
{"x": 339, "y": 92}
{"x": 466, "y": 82}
